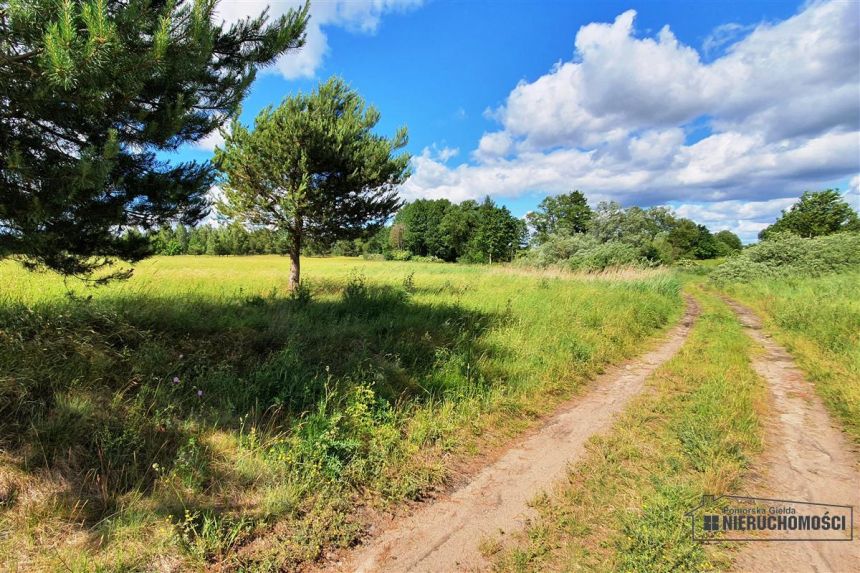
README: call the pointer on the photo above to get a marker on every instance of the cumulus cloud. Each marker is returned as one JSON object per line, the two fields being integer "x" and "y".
{"x": 745, "y": 218}
{"x": 780, "y": 109}
{"x": 494, "y": 146}
{"x": 360, "y": 16}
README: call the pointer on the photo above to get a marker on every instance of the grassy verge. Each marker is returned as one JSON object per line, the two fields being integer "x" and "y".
{"x": 818, "y": 321}
{"x": 198, "y": 415}
{"x": 691, "y": 433}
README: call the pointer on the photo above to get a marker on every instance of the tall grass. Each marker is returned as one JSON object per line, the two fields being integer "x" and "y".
{"x": 200, "y": 414}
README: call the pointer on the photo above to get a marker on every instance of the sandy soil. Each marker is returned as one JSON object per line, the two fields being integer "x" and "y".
{"x": 806, "y": 459}
{"x": 445, "y": 535}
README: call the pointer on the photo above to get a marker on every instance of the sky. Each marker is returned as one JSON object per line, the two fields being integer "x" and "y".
{"x": 724, "y": 111}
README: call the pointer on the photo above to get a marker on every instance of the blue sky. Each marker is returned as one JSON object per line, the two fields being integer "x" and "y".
{"x": 703, "y": 106}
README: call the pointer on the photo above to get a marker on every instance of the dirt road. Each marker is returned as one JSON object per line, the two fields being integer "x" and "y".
{"x": 806, "y": 459}
{"x": 445, "y": 535}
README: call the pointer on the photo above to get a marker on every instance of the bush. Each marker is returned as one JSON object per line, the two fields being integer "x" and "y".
{"x": 558, "y": 249}
{"x": 605, "y": 255}
{"x": 581, "y": 252}
{"x": 428, "y": 259}
{"x": 788, "y": 255}
{"x": 398, "y": 255}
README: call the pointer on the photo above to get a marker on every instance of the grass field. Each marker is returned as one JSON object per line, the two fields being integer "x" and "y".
{"x": 818, "y": 321}
{"x": 692, "y": 433}
{"x": 199, "y": 414}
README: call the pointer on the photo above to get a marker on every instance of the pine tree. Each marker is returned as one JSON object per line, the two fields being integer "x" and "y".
{"x": 313, "y": 169}
{"x": 90, "y": 91}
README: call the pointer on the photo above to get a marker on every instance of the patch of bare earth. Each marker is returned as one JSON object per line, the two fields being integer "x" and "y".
{"x": 807, "y": 458}
{"x": 446, "y": 535}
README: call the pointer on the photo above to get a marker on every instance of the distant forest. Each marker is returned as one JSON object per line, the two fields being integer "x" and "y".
{"x": 482, "y": 232}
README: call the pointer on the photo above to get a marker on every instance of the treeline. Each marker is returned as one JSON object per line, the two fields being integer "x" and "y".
{"x": 563, "y": 230}
{"x": 427, "y": 229}
{"x": 205, "y": 240}
{"x": 568, "y": 232}
{"x": 468, "y": 232}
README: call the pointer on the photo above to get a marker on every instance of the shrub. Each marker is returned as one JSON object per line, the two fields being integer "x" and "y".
{"x": 581, "y": 252}
{"x": 788, "y": 255}
{"x": 398, "y": 255}
{"x": 427, "y": 259}
{"x": 558, "y": 249}
{"x": 599, "y": 257}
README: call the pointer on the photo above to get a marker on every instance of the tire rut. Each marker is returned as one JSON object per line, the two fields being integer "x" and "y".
{"x": 807, "y": 458}
{"x": 444, "y": 536}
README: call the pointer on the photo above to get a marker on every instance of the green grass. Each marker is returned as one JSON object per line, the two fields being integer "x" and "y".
{"x": 199, "y": 414}
{"x": 818, "y": 321}
{"x": 691, "y": 433}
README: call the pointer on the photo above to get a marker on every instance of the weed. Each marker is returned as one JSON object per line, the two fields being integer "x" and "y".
{"x": 302, "y": 295}
{"x": 409, "y": 282}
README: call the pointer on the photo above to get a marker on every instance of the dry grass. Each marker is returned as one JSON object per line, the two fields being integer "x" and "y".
{"x": 632, "y": 273}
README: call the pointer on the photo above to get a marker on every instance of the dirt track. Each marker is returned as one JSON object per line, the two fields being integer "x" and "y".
{"x": 445, "y": 535}
{"x": 806, "y": 459}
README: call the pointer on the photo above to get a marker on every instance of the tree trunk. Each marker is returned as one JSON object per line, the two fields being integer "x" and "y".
{"x": 295, "y": 252}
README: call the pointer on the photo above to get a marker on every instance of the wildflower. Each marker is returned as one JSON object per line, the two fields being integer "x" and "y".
{"x": 200, "y": 393}
{"x": 176, "y": 379}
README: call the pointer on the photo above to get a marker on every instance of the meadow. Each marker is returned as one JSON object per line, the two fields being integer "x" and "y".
{"x": 200, "y": 414}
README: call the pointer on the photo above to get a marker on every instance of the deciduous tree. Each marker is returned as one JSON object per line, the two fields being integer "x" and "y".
{"x": 568, "y": 214}
{"x": 815, "y": 214}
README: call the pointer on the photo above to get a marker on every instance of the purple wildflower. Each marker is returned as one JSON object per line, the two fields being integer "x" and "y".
{"x": 176, "y": 379}
{"x": 200, "y": 393}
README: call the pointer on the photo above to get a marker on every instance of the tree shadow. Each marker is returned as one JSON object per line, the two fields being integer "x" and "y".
{"x": 110, "y": 394}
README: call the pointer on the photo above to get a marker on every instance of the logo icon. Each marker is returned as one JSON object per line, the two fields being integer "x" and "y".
{"x": 738, "y": 518}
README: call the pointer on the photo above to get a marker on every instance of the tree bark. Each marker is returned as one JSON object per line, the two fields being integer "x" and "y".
{"x": 295, "y": 252}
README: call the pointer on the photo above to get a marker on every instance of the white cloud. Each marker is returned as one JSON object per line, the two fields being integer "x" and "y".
{"x": 723, "y": 35}
{"x": 494, "y": 146}
{"x": 360, "y": 16}
{"x": 780, "y": 109}
{"x": 440, "y": 154}
{"x": 447, "y": 153}
{"x": 211, "y": 141}
{"x": 852, "y": 196}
